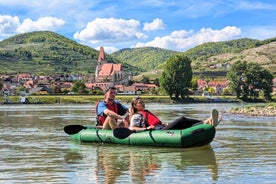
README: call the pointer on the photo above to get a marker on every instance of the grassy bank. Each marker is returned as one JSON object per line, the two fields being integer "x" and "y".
{"x": 84, "y": 99}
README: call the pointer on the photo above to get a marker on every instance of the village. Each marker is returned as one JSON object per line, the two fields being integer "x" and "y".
{"x": 106, "y": 75}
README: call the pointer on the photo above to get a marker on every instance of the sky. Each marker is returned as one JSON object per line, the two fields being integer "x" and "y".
{"x": 116, "y": 24}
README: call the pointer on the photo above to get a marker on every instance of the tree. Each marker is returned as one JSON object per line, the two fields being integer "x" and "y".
{"x": 266, "y": 83}
{"x": 79, "y": 87}
{"x": 145, "y": 80}
{"x": 1, "y": 84}
{"x": 236, "y": 77}
{"x": 20, "y": 88}
{"x": 177, "y": 75}
{"x": 194, "y": 83}
{"x": 247, "y": 79}
{"x": 156, "y": 82}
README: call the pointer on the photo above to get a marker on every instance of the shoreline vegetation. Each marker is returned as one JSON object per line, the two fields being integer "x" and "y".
{"x": 267, "y": 109}
{"x": 85, "y": 99}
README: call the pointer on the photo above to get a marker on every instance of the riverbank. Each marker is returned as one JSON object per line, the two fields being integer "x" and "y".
{"x": 84, "y": 99}
{"x": 258, "y": 110}
{"x": 252, "y": 110}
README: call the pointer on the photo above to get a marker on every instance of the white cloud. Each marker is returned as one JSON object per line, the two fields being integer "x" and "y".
{"x": 183, "y": 40}
{"x": 8, "y": 25}
{"x": 11, "y": 25}
{"x": 44, "y": 23}
{"x": 110, "y": 30}
{"x": 156, "y": 24}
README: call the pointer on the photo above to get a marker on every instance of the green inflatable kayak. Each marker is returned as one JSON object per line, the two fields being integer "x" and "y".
{"x": 194, "y": 136}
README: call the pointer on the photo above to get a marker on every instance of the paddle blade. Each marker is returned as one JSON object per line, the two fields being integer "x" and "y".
{"x": 122, "y": 133}
{"x": 73, "y": 129}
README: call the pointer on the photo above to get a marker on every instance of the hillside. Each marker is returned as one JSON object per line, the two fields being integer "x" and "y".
{"x": 202, "y": 56}
{"x": 46, "y": 52}
{"x": 230, "y": 51}
{"x": 264, "y": 55}
{"x": 146, "y": 58}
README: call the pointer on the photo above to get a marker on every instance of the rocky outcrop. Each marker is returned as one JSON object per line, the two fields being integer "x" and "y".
{"x": 269, "y": 110}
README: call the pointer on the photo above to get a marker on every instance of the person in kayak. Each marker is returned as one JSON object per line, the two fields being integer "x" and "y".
{"x": 109, "y": 110}
{"x": 142, "y": 119}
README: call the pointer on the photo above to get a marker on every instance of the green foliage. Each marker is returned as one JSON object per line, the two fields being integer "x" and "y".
{"x": 236, "y": 77}
{"x": 79, "y": 87}
{"x": 146, "y": 58}
{"x": 246, "y": 79}
{"x": 201, "y": 52}
{"x": 1, "y": 84}
{"x": 266, "y": 85}
{"x": 20, "y": 88}
{"x": 194, "y": 83}
{"x": 150, "y": 58}
{"x": 227, "y": 91}
{"x": 50, "y": 53}
{"x": 145, "y": 80}
{"x": 177, "y": 75}
{"x": 47, "y": 52}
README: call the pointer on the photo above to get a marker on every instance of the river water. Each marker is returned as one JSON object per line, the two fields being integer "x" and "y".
{"x": 34, "y": 149}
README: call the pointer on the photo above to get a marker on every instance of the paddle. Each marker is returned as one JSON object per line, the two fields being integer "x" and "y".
{"x": 73, "y": 129}
{"x": 122, "y": 133}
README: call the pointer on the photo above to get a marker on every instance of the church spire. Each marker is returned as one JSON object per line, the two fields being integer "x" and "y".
{"x": 101, "y": 55}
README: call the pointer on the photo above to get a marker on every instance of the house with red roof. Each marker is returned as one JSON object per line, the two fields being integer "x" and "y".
{"x": 23, "y": 77}
{"x": 217, "y": 85}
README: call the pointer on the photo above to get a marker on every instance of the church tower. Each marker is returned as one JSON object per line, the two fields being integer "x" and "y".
{"x": 100, "y": 62}
{"x": 101, "y": 57}
{"x": 108, "y": 72}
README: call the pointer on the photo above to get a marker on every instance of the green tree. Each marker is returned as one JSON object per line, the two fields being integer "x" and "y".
{"x": 194, "y": 83}
{"x": 236, "y": 76}
{"x": 266, "y": 83}
{"x": 177, "y": 75}
{"x": 1, "y": 84}
{"x": 20, "y": 88}
{"x": 79, "y": 87}
{"x": 156, "y": 82}
{"x": 247, "y": 79}
{"x": 145, "y": 80}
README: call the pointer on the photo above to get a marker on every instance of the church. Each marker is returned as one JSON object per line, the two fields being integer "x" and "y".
{"x": 108, "y": 72}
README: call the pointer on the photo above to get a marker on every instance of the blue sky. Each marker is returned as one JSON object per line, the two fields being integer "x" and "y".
{"x": 170, "y": 24}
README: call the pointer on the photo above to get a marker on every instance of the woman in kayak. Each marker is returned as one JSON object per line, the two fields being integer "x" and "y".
{"x": 142, "y": 119}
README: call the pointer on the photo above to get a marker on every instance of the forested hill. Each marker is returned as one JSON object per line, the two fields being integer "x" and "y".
{"x": 149, "y": 58}
{"x": 46, "y": 52}
{"x": 214, "y": 48}
{"x": 146, "y": 58}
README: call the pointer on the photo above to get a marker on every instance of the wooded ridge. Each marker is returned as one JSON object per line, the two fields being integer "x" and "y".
{"x": 45, "y": 52}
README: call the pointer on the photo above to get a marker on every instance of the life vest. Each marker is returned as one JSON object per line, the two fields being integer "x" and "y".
{"x": 100, "y": 119}
{"x": 150, "y": 119}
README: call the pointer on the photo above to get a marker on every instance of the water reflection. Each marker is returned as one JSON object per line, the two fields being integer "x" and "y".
{"x": 139, "y": 164}
{"x": 34, "y": 149}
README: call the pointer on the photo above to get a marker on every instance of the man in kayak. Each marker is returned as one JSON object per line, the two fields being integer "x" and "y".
{"x": 109, "y": 110}
{"x": 142, "y": 119}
